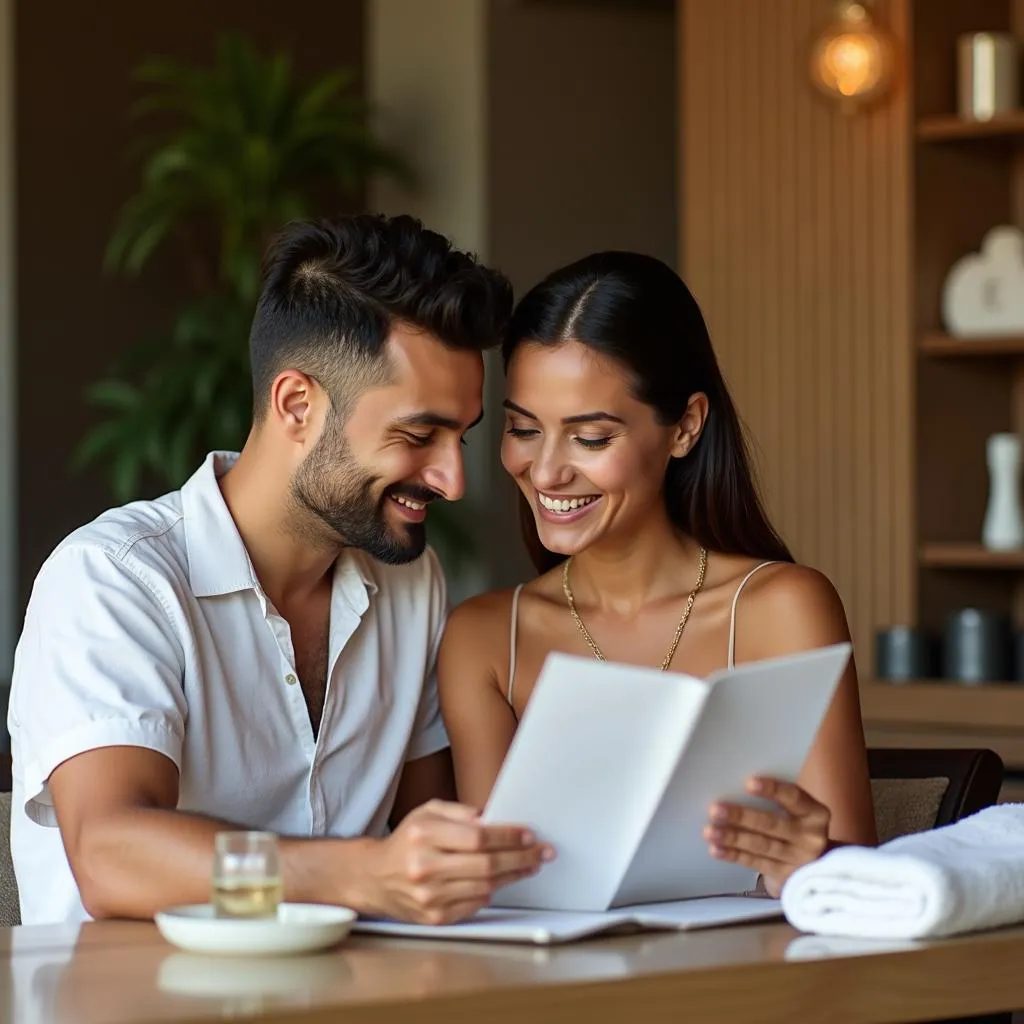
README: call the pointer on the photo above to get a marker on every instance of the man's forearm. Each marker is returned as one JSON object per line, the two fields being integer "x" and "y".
{"x": 139, "y": 861}
{"x": 334, "y": 871}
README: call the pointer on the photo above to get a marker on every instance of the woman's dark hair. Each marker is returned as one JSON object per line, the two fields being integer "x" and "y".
{"x": 636, "y": 310}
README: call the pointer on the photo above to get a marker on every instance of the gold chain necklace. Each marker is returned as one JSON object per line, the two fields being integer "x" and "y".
{"x": 592, "y": 644}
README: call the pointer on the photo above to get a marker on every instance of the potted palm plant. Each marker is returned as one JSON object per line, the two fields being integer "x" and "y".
{"x": 242, "y": 148}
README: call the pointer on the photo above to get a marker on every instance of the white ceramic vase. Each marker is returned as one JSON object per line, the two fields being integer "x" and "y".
{"x": 1004, "y": 522}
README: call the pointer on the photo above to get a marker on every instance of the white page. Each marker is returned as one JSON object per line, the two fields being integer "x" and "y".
{"x": 497, "y": 925}
{"x": 544, "y": 927}
{"x": 711, "y": 912}
{"x": 591, "y": 758}
{"x": 761, "y": 718}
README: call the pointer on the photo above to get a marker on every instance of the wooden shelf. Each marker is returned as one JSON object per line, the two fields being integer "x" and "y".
{"x": 969, "y": 556}
{"x": 951, "y": 128}
{"x": 944, "y": 705}
{"x": 962, "y": 391}
{"x": 936, "y": 343}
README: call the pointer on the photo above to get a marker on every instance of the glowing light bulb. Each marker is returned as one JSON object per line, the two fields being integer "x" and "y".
{"x": 851, "y": 61}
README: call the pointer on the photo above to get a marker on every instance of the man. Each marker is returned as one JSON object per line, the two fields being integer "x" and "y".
{"x": 257, "y": 649}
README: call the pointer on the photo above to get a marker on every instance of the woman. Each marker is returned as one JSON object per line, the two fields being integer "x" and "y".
{"x": 643, "y": 518}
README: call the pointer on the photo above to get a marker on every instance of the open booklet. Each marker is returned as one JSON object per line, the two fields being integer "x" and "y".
{"x": 548, "y": 927}
{"x": 616, "y": 767}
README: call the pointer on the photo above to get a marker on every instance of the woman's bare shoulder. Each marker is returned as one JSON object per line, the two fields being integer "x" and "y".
{"x": 482, "y": 612}
{"x": 484, "y": 621}
{"x": 789, "y": 607}
{"x": 475, "y": 642}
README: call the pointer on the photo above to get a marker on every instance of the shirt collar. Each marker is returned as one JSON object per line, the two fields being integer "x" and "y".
{"x": 218, "y": 562}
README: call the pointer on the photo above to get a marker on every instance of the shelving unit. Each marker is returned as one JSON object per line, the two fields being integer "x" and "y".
{"x": 945, "y": 346}
{"x": 950, "y": 128}
{"x": 967, "y": 177}
{"x": 968, "y": 556}
{"x": 932, "y": 714}
{"x": 994, "y": 706}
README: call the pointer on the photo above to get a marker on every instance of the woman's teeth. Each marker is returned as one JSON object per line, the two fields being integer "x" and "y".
{"x": 565, "y": 504}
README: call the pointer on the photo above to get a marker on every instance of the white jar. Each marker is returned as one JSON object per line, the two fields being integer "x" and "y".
{"x": 1004, "y": 523}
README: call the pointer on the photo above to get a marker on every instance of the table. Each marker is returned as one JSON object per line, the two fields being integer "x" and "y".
{"x": 118, "y": 972}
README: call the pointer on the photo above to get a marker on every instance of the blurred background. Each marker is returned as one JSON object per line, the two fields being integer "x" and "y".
{"x": 840, "y": 184}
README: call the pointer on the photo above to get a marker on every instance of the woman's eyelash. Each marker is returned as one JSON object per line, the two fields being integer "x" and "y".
{"x": 593, "y": 443}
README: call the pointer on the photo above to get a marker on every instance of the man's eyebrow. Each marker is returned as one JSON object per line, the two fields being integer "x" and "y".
{"x": 583, "y": 417}
{"x": 434, "y": 419}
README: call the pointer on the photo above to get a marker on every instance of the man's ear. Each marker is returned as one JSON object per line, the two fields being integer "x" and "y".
{"x": 293, "y": 396}
{"x": 690, "y": 425}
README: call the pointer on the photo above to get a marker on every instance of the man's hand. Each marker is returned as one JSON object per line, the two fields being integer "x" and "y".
{"x": 442, "y": 864}
{"x": 133, "y": 854}
{"x": 773, "y": 843}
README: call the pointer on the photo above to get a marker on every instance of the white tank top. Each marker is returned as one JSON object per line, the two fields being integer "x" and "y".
{"x": 514, "y": 618}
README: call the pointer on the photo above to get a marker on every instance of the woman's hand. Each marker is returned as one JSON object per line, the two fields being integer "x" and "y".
{"x": 775, "y": 843}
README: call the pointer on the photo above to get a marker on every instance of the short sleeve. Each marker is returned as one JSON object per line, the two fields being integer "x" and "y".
{"x": 429, "y": 735}
{"x": 98, "y": 664}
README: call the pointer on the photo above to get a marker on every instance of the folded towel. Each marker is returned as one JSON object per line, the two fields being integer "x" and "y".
{"x": 964, "y": 877}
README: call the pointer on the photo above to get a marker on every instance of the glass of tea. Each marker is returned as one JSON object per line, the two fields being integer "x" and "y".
{"x": 246, "y": 875}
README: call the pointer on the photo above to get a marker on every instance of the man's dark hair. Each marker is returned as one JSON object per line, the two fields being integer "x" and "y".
{"x": 332, "y": 290}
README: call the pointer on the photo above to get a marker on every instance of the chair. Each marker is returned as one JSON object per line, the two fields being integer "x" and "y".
{"x": 10, "y": 909}
{"x": 915, "y": 790}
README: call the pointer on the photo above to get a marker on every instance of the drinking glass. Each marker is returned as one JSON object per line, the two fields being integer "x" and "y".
{"x": 246, "y": 875}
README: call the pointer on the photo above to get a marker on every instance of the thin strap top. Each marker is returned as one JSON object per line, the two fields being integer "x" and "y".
{"x": 512, "y": 643}
{"x": 515, "y": 617}
{"x": 732, "y": 615}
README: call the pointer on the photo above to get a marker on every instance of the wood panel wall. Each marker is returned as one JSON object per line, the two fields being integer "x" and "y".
{"x": 794, "y": 236}
{"x": 1017, "y": 27}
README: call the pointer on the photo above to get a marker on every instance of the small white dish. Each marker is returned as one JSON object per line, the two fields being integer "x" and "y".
{"x": 298, "y": 928}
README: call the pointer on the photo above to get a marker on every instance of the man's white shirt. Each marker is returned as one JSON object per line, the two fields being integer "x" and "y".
{"x": 148, "y": 628}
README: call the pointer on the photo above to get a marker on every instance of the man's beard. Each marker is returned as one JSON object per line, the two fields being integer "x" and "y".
{"x": 332, "y": 485}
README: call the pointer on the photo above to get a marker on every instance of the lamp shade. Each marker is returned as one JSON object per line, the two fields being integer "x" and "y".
{"x": 852, "y": 59}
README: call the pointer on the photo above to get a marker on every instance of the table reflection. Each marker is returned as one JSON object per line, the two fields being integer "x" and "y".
{"x": 821, "y": 947}
{"x": 132, "y": 975}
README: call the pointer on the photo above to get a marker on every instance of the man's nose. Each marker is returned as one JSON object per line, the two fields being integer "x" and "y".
{"x": 446, "y": 473}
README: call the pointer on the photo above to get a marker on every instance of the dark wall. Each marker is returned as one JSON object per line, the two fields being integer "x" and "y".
{"x": 583, "y": 133}
{"x": 582, "y": 157}
{"x": 73, "y": 93}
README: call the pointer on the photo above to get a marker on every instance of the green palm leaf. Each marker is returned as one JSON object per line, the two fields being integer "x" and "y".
{"x": 226, "y": 155}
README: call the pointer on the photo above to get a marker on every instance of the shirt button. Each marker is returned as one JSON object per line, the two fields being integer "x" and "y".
{"x": 290, "y": 679}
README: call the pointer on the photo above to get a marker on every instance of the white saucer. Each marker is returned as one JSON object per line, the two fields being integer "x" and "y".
{"x": 298, "y": 928}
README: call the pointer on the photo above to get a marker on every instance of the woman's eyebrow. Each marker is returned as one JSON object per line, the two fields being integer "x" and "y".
{"x": 583, "y": 417}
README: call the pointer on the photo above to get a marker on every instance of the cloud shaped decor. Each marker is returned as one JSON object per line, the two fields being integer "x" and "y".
{"x": 984, "y": 292}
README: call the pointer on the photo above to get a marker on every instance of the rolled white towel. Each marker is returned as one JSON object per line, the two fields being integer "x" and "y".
{"x": 965, "y": 877}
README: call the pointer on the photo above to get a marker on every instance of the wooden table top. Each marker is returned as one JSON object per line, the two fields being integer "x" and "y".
{"x": 124, "y": 973}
